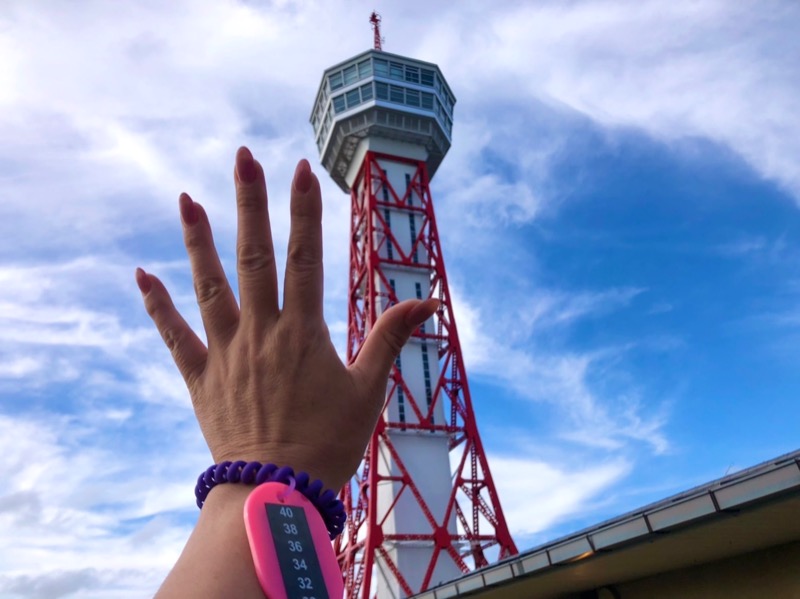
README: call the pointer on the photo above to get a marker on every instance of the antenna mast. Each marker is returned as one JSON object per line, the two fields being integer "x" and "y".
{"x": 375, "y": 19}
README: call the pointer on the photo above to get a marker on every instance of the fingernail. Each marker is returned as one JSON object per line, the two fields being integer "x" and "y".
{"x": 188, "y": 211}
{"x": 142, "y": 280}
{"x": 302, "y": 177}
{"x": 245, "y": 166}
{"x": 422, "y": 312}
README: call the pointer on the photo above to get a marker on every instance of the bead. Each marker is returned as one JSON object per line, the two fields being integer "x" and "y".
{"x": 301, "y": 480}
{"x": 265, "y": 473}
{"x": 249, "y": 472}
{"x": 221, "y": 472}
{"x": 208, "y": 476}
{"x": 282, "y": 475}
{"x": 314, "y": 490}
{"x": 235, "y": 471}
{"x": 325, "y": 498}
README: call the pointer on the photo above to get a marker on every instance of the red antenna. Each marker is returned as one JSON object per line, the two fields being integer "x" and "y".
{"x": 375, "y": 19}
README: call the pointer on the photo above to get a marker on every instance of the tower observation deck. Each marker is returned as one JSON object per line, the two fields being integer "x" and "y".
{"x": 423, "y": 508}
{"x": 377, "y": 95}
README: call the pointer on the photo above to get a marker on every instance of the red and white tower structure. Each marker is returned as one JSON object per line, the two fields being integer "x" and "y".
{"x": 423, "y": 508}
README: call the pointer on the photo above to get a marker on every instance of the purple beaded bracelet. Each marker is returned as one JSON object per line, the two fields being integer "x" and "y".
{"x": 248, "y": 473}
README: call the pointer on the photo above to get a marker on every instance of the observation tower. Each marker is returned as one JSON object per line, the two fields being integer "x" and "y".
{"x": 423, "y": 507}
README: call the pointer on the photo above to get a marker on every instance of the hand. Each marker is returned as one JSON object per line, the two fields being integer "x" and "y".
{"x": 270, "y": 386}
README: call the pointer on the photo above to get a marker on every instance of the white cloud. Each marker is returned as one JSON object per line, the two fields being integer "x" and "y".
{"x": 719, "y": 70}
{"x": 143, "y": 109}
{"x": 67, "y": 326}
{"x": 75, "y": 336}
{"x": 569, "y": 382}
{"x": 545, "y": 308}
{"x": 537, "y": 495}
{"x": 20, "y": 367}
{"x": 65, "y": 321}
{"x": 87, "y": 583}
{"x": 142, "y": 101}
{"x": 71, "y": 503}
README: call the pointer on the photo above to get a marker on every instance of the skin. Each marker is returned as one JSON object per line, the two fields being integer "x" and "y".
{"x": 269, "y": 386}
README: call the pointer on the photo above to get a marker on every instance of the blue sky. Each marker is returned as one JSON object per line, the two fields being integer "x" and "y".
{"x": 619, "y": 219}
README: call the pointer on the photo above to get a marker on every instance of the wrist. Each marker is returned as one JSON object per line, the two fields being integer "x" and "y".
{"x": 285, "y": 456}
{"x": 219, "y": 541}
{"x": 227, "y": 497}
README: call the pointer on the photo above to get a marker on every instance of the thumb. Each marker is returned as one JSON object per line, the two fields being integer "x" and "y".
{"x": 388, "y": 336}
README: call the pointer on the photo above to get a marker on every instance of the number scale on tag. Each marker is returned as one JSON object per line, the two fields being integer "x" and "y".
{"x": 292, "y": 552}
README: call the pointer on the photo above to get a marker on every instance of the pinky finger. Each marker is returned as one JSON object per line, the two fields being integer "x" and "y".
{"x": 187, "y": 349}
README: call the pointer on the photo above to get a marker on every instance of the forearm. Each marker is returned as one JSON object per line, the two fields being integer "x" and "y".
{"x": 216, "y": 562}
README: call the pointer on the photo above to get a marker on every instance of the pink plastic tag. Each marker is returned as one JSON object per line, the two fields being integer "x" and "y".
{"x": 292, "y": 551}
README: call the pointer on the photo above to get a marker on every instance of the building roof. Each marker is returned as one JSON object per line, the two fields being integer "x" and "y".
{"x": 748, "y": 510}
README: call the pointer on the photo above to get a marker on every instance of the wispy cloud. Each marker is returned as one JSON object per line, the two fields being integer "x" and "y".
{"x": 546, "y": 308}
{"x": 72, "y": 498}
{"x": 537, "y": 494}
{"x": 663, "y": 69}
{"x": 742, "y": 247}
{"x": 660, "y": 308}
{"x": 592, "y": 412}
{"x": 54, "y": 318}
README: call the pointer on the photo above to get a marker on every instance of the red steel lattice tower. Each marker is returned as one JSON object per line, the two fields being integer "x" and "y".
{"x": 423, "y": 507}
